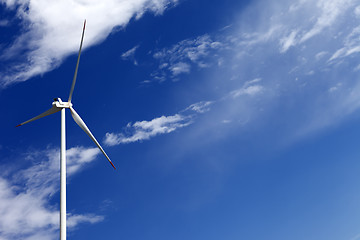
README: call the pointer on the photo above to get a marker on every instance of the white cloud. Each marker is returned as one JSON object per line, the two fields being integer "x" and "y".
{"x": 330, "y": 11}
{"x": 180, "y": 57}
{"x": 332, "y": 89}
{"x": 79, "y": 156}
{"x": 290, "y": 28}
{"x": 293, "y": 22}
{"x": 74, "y": 220}
{"x": 255, "y": 38}
{"x": 25, "y": 210}
{"x": 179, "y": 68}
{"x": 251, "y": 91}
{"x": 191, "y": 49}
{"x": 130, "y": 54}
{"x": 320, "y": 55}
{"x": 251, "y": 82}
{"x": 326, "y": 87}
{"x": 144, "y": 130}
{"x": 200, "y": 107}
{"x": 289, "y": 41}
{"x": 351, "y": 45}
{"x": 315, "y": 32}
{"x": 52, "y": 30}
{"x": 226, "y": 121}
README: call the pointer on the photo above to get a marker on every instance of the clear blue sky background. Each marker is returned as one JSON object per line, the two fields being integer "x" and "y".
{"x": 226, "y": 119}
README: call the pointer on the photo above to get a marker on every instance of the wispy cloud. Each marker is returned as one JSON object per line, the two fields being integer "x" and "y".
{"x": 144, "y": 130}
{"x": 179, "y": 68}
{"x": 351, "y": 45}
{"x": 303, "y": 51}
{"x": 252, "y": 90}
{"x": 288, "y": 41}
{"x": 25, "y": 210}
{"x": 51, "y": 31}
{"x": 303, "y": 72}
{"x": 130, "y": 54}
{"x": 330, "y": 11}
{"x": 299, "y": 21}
{"x": 283, "y": 29}
{"x": 180, "y": 57}
{"x": 200, "y": 107}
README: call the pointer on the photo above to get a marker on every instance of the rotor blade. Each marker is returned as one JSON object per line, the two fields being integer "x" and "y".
{"x": 83, "y": 126}
{"x": 52, "y": 110}
{"x": 77, "y": 65}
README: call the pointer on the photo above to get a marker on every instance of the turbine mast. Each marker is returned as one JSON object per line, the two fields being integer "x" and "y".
{"x": 57, "y": 106}
{"x": 63, "y": 178}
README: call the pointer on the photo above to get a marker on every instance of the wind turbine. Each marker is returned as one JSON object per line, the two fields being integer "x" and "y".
{"x": 57, "y": 106}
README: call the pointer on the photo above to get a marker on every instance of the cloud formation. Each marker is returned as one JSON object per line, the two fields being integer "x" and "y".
{"x": 25, "y": 210}
{"x": 251, "y": 90}
{"x": 130, "y": 54}
{"x": 51, "y": 31}
{"x": 144, "y": 130}
{"x": 304, "y": 57}
{"x": 179, "y": 58}
{"x": 200, "y": 107}
{"x": 300, "y": 49}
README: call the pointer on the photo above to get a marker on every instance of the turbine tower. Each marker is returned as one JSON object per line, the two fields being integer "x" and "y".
{"x": 57, "y": 106}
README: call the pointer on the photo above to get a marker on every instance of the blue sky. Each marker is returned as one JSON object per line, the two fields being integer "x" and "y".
{"x": 226, "y": 119}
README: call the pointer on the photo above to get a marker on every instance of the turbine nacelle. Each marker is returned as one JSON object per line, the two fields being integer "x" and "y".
{"x": 60, "y": 104}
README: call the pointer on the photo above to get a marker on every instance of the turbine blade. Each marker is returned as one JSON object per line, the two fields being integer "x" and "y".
{"x": 77, "y": 65}
{"x": 83, "y": 126}
{"x": 52, "y": 110}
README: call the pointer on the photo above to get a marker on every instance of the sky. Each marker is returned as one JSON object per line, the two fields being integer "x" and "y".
{"x": 225, "y": 119}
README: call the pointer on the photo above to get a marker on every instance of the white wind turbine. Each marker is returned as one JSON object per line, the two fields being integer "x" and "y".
{"x": 57, "y": 106}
